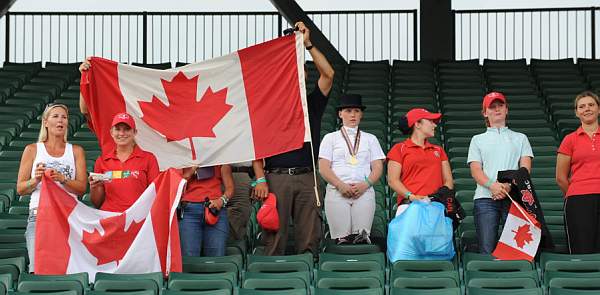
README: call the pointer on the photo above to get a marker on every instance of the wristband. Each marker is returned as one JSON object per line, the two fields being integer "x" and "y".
{"x": 407, "y": 195}
{"x": 368, "y": 182}
{"x": 225, "y": 200}
{"x": 28, "y": 184}
{"x": 259, "y": 180}
{"x": 488, "y": 183}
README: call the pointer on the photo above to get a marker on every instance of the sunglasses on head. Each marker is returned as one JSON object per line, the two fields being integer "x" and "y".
{"x": 51, "y": 105}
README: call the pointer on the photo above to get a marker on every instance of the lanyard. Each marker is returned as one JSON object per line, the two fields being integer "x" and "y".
{"x": 353, "y": 150}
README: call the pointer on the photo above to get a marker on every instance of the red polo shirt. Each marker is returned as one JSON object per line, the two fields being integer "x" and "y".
{"x": 421, "y": 170}
{"x": 129, "y": 179}
{"x": 585, "y": 162}
{"x": 198, "y": 190}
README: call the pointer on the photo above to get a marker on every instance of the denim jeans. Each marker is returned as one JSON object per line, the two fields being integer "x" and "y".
{"x": 197, "y": 237}
{"x": 30, "y": 238}
{"x": 489, "y": 214}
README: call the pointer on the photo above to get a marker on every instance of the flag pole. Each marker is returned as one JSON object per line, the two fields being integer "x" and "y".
{"x": 312, "y": 155}
{"x": 302, "y": 79}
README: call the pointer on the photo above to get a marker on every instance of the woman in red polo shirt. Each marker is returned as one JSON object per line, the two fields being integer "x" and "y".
{"x": 417, "y": 168}
{"x": 201, "y": 231}
{"x": 126, "y": 171}
{"x": 577, "y": 166}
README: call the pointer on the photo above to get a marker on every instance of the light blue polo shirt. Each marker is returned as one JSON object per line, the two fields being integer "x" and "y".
{"x": 497, "y": 149}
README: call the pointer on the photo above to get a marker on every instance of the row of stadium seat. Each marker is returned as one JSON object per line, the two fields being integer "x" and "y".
{"x": 335, "y": 274}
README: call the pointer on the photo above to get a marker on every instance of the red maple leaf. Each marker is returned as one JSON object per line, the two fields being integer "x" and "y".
{"x": 115, "y": 242}
{"x": 185, "y": 116}
{"x": 523, "y": 235}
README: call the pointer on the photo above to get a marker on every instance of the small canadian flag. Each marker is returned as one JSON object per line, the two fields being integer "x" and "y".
{"x": 521, "y": 236}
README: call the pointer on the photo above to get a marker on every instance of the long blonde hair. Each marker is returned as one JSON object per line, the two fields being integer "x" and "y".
{"x": 44, "y": 130}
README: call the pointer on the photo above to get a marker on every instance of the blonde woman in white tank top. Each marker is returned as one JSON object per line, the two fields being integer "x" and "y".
{"x": 65, "y": 161}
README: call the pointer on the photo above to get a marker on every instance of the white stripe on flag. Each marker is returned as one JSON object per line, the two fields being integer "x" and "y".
{"x": 511, "y": 228}
{"x": 233, "y": 133}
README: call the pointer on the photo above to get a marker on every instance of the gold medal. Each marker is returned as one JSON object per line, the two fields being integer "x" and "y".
{"x": 353, "y": 160}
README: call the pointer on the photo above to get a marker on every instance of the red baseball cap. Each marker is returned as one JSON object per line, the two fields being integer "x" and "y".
{"x": 415, "y": 115}
{"x": 209, "y": 218}
{"x": 491, "y": 97}
{"x": 267, "y": 215}
{"x": 123, "y": 118}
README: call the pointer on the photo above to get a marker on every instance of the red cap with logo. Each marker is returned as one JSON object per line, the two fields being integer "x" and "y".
{"x": 209, "y": 217}
{"x": 491, "y": 97}
{"x": 267, "y": 215}
{"x": 415, "y": 115}
{"x": 123, "y": 118}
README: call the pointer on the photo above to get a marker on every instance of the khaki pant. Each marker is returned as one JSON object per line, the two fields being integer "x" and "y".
{"x": 295, "y": 199}
{"x": 238, "y": 208}
{"x": 349, "y": 216}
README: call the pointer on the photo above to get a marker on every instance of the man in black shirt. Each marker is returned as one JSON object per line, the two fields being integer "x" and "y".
{"x": 290, "y": 175}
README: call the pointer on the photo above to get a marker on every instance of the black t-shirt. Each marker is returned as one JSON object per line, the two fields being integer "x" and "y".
{"x": 301, "y": 157}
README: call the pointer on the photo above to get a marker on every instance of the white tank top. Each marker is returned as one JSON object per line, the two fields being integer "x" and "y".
{"x": 64, "y": 164}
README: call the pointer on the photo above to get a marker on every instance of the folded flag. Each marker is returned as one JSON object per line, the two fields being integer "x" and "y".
{"x": 520, "y": 237}
{"x": 71, "y": 237}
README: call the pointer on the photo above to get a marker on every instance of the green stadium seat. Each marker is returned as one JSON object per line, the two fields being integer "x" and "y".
{"x": 588, "y": 284}
{"x": 210, "y": 292}
{"x": 68, "y": 292}
{"x": 35, "y": 283}
{"x": 142, "y": 292}
{"x": 13, "y": 266}
{"x": 332, "y": 247}
{"x": 200, "y": 282}
{"x": 128, "y": 282}
{"x": 6, "y": 282}
{"x": 485, "y": 291}
{"x": 275, "y": 284}
{"x": 409, "y": 291}
{"x": 546, "y": 257}
{"x": 423, "y": 265}
{"x": 272, "y": 292}
{"x": 364, "y": 284}
{"x": 424, "y": 283}
{"x": 213, "y": 265}
{"x": 403, "y": 275}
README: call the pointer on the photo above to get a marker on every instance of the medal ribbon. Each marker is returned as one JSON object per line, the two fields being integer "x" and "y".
{"x": 353, "y": 150}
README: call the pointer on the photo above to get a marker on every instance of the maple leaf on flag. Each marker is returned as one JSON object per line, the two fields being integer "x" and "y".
{"x": 115, "y": 242}
{"x": 523, "y": 235}
{"x": 185, "y": 117}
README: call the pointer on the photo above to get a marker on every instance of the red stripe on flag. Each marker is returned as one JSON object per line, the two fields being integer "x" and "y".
{"x": 167, "y": 185}
{"x": 506, "y": 252}
{"x": 514, "y": 210}
{"x": 276, "y": 99}
{"x": 52, "y": 250}
{"x": 100, "y": 86}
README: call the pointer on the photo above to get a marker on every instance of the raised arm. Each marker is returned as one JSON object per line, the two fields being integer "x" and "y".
{"x": 84, "y": 66}
{"x": 325, "y": 69}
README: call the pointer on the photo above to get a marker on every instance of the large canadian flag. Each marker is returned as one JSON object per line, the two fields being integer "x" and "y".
{"x": 247, "y": 105}
{"x": 71, "y": 237}
{"x": 520, "y": 237}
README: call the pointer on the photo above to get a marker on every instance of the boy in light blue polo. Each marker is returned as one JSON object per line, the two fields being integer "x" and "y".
{"x": 497, "y": 149}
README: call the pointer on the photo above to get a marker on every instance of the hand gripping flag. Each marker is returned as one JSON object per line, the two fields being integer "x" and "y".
{"x": 520, "y": 237}
{"x": 71, "y": 237}
{"x": 247, "y": 105}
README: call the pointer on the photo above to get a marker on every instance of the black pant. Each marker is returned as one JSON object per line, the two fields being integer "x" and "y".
{"x": 582, "y": 223}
